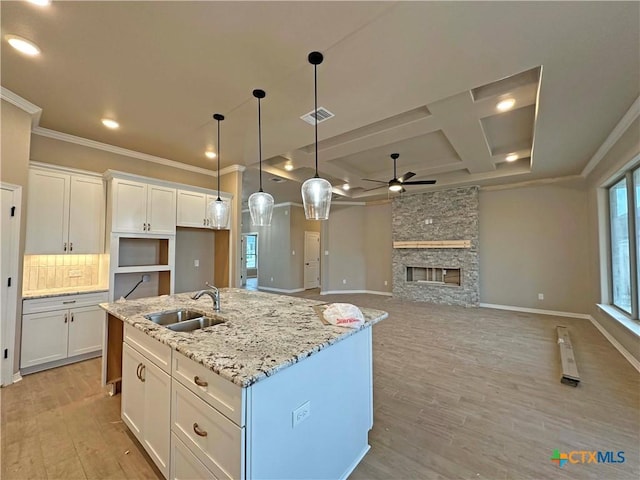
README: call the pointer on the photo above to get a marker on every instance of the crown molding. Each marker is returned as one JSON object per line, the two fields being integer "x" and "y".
{"x": 85, "y": 142}
{"x": 619, "y": 130}
{"x": 23, "y": 104}
{"x": 233, "y": 168}
{"x": 531, "y": 183}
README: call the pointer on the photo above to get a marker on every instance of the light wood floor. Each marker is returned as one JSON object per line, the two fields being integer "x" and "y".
{"x": 458, "y": 393}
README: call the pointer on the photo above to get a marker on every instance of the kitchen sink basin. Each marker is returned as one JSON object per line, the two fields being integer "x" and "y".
{"x": 183, "y": 320}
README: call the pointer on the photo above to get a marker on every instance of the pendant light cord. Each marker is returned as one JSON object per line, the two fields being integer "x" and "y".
{"x": 315, "y": 95}
{"x": 218, "y": 199}
{"x": 260, "y": 142}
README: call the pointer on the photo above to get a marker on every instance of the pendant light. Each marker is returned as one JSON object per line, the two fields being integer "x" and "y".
{"x": 219, "y": 210}
{"x": 316, "y": 192}
{"x": 260, "y": 202}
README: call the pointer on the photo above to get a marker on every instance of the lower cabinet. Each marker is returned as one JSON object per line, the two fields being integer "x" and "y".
{"x": 146, "y": 396}
{"x": 59, "y": 330}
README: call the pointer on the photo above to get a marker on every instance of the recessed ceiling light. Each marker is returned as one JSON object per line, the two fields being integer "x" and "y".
{"x": 506, "y": 104}
{"x": 210, "y": 154}
{"x": 40, "y": 3}
{"x": 288, "y": 167}
{"x": 512, "y": 157}
{"x": 107, "y": 122}
{"x": 23, "y": 45}
{"x": 346, "y": 186}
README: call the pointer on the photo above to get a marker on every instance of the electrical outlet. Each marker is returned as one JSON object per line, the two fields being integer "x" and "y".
{"x": 196, "y": 263}
{"x": 386, "y": 283}
{"x": 344, "y": 281}
{"x": 326, "y": 252}
{"x": 541, "y": 296}
{"x": 301, "y": 413}
{"x": 293, "y": 252}
{"x": 272, "y": 279}
{"x": 75, "y": 273}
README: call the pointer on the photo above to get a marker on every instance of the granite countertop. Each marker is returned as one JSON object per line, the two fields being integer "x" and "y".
{"x": 59, "y": 292}
{"x": 262, "y": 334}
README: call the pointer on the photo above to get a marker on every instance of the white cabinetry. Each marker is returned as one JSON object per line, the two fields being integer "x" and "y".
{"x": 142, "y": 208}
{"x": 193, "y": 208}
{"x": 65, "y": 213}
{"x": 146, "y": 393}
{"x": 60, "y": 330}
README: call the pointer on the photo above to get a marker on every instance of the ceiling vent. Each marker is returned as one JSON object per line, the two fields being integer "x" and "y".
{"x": 322, "y": 114}
{"x": 278, "y": 180}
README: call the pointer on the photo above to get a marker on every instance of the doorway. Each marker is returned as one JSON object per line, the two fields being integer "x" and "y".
{"x": 10, "y": 205}
{"x": 311, "y": 260}
{"x": 249, "y": 260}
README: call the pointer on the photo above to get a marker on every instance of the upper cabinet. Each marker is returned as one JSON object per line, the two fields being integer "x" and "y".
{"x": 193, "y": 208}
{"x": 142, "y": 207}
{"x": 65, "y": 213}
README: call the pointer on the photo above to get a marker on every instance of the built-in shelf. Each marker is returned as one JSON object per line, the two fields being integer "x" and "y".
{"x": 433, "y": 244}
{"x": 144, "y": 269}
{"x": 134, "y": 251}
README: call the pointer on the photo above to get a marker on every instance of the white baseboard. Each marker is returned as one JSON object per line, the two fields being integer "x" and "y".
{"x": 584, "y": 316}
{"x": 17, "y": 377}
{"x": 372, "y": 292}
{"x": 617, "y": 345}
{"x": 280, "y": 290}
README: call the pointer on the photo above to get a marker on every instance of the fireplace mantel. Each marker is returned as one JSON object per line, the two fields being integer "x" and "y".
{"x": 433, "y": 244}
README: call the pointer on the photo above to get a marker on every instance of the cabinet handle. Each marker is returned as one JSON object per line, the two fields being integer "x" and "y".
{"x": 64, "y": 247}
{"x": 65, "y": 318}
{"x": 204, "y": 221}
{"x": 196, "y": 429}
{"x": 138, "y": 371}
{"x": 71, "y": 246}
{"x": 68, "y": 302}
{"x": 72, "y": 317}
{"x": 200, "y": 383}
{"x": 142, "y": 377}
{"x": 148, "y": 227}
{"x": 208, "y": 221}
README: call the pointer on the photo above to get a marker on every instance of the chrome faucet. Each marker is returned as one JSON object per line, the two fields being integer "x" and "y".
{"x": 213, "y": 292}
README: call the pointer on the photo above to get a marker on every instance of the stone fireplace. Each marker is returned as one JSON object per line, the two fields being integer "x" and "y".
{"x": 435, "y": 256}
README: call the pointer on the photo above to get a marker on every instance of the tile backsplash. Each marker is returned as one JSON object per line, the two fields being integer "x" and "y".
{"x": 42, "y": 272}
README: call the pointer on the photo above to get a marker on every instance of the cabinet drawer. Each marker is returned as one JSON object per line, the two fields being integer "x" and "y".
{"x": 223, "y": 395}
{"x": 215, "y": 440}
{"x": 157, "y": 352}
{"x": 184, "y": 464}
{"x": 62, "y": 302}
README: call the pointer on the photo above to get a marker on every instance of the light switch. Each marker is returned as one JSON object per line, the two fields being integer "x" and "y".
{"x": 196, "y": 263}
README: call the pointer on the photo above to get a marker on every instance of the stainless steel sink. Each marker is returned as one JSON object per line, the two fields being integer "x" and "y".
{"x": 183, "y": 320}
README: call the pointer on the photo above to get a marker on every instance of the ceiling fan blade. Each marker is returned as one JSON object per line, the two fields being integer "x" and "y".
{"x": 406, "y": 177}
{"x": 376, "y": 188}
{"x": 377, "y": 181}
{"x": 420, "y": 182}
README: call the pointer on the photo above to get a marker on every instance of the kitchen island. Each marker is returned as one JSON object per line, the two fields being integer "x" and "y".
{"x": 271, "y": 392}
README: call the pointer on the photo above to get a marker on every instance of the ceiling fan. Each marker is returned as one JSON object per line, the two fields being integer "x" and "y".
{"x": 396, "y": 184}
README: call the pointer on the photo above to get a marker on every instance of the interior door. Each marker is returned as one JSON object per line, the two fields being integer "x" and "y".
{"x": 311, "y": 260}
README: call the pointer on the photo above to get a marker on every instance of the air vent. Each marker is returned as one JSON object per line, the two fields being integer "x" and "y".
{"x": 278, "y": 180}
{"x": 322, "y": 114}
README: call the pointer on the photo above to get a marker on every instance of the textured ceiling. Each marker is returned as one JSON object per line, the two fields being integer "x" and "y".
{"x": 418, "y": 78}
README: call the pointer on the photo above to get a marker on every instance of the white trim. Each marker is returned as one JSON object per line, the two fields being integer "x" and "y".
{"x": 617, "y": 132}
{"x": 530, "y": 183}
{"x": 17, "y": 377}
{"x": 340, "y": 202}
{"x": 280, "y": 290}
{"x": 617, "y": 345}
{"x": 85, "y": 142}
{"x": 583, "y": 316}
{"x": 23, "y": 104}
{"x": 370, "y": 292}
{"x": 9, "y": 327}
{"x": 611, "y": 311}
{"x": 63, "y": 169}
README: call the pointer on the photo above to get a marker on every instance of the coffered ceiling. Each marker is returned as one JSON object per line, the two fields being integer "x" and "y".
{"x": 418, "y": 78}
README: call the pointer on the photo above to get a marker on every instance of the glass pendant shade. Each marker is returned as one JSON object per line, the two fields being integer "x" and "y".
{"x": 316, "y": 197}
{"x": 261, "y": 209}
{"x": 219, "y": 214}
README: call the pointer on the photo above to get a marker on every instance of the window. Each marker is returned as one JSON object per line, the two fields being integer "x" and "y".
{"x": 251, "y": 251}
{"x": 624, "y": 229}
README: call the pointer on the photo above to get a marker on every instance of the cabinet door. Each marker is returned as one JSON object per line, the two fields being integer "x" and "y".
{"x": 129, "y": 203}
{"x": 157, "y": 415}
{"x": 86, "y": 215}
{"x": 44, "y": 337}
{"x": 161, "y": 209}
{"x": 85, "y": 330}
{"x": 133, "y": 401}
{"x": 191, "y": 210}
{"x": 47, "y": 212}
